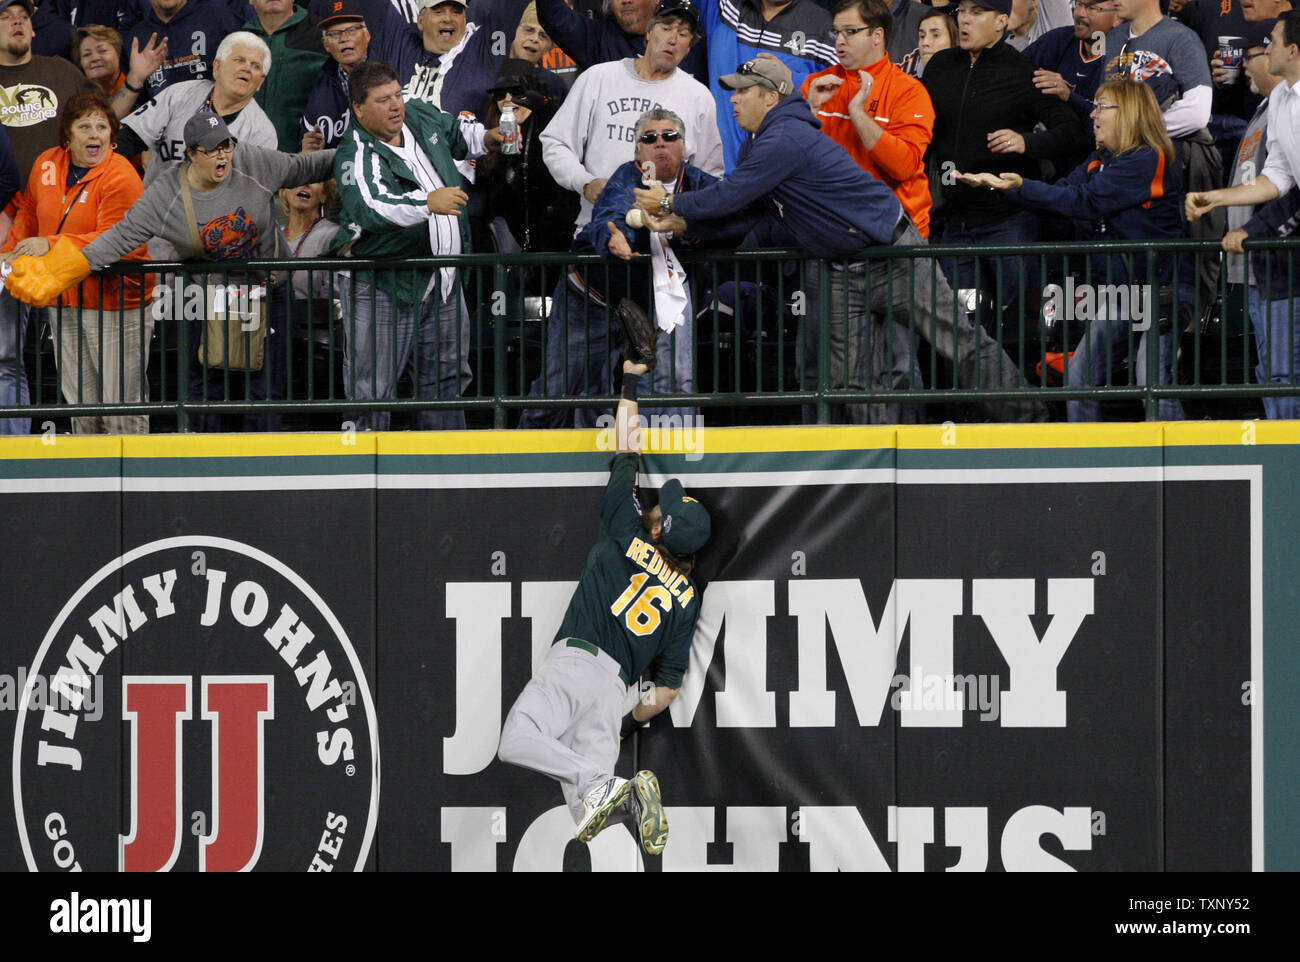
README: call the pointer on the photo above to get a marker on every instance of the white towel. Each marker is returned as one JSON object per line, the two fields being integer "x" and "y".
{"x": 669, "y": 277}
{"x": 670, "y": 283}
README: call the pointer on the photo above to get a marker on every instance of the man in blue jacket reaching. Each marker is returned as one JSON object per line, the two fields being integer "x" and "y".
{"x": 832, "y": 208}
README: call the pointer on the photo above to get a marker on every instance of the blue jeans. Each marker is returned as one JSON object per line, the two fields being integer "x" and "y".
{"x": 579, "y": 360}
{"x": 1102, "y": 343}
{"x": 1021, "y": 228}
{"x": 13, "y": 374}
{"x": 888, "y": 364}
{"x": 386, "y": 337}
{"x": 1277, "y": 336}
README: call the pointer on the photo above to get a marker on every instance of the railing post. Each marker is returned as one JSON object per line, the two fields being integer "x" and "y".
{"x": 1153, "y": 337}
{"x": 499, "y": 342}
{"x": 823, "y": 338}
{"x": 183, "y": 349}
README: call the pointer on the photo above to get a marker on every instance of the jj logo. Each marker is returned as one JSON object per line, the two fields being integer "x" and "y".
{"x": 156, "y": 708}
{"x": 241, "y": 734}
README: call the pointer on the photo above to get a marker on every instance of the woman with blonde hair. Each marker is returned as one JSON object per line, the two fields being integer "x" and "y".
{"x": 1130, "y": 188}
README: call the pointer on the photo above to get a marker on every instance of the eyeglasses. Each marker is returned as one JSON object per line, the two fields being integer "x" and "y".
{"x": 346, "y": 33}
{"x": 1092, "y": 7}
{"x": 1252, "y": 56}
{"x": 225, "y": 147}
{"x": 1097, "y": 106}
{"x": 653, "y": 137}
{"x": 848, "y": 32}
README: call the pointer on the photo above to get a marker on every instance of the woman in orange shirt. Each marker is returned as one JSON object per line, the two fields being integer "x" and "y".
{"x": 102, "y": 326}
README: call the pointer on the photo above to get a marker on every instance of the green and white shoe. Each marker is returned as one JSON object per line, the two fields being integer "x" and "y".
{"x": 654, "y": 823}
{"x": 599, "y": 803}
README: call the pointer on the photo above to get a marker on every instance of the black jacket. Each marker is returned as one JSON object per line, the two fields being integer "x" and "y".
{"x": 519, "y": 186}
{"x": 971, "y": 101}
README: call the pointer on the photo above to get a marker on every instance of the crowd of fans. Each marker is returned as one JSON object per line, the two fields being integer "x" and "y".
{"x": 228, "y": 130}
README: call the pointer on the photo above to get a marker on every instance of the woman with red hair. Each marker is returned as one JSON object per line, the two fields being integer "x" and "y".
{"x": 102, "y": 326}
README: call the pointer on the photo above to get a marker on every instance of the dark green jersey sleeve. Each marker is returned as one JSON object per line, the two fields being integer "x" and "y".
{"x": 620, "y": 512}
{"x": 671, "y": 663}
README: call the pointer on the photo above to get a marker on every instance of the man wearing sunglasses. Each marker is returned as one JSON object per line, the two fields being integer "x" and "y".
{"x": 589, "y": 137}
{"x": 660, "y": 151}
{"x": 789, "y": 172}
{"x": 586, "y": 142}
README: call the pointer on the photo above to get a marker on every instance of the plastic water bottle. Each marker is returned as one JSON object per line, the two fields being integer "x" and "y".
{"x": 509, "y": 128}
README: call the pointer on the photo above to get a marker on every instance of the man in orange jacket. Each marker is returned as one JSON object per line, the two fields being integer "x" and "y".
{"x": 885, "y": 120}
{"x": 868, "y": 106}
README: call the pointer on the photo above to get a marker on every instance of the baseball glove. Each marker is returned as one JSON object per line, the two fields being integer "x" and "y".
{"x": 640, "y": 331}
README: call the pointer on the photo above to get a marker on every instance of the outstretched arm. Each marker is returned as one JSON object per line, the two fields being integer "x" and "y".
{"x": 628, "y": 420}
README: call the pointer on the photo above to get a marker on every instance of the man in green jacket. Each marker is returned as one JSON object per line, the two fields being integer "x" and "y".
{"x": 296, "y": 61}
{"x": 398, "y": 187}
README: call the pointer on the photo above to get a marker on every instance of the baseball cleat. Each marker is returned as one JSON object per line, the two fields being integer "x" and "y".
{"x": 598, "y": 804}
{"x": 654, "y": 823}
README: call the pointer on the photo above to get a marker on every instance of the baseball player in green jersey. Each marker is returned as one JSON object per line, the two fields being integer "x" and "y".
{"x": 633, "y": 611}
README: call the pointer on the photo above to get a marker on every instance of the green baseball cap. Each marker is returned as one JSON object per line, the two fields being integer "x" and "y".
{"x": 686, "y": 522}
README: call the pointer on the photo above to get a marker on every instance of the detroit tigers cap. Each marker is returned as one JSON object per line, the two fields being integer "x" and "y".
{"x": 998, "y": 6}
{"x": 430, "y": 4}
{"x": 762, "y": 71}
{"x": 686, "y": 522}
{"x": 341, "y": 11}
{"x": 1259, "y": 34}
{"x": 205, "y": 129}
{"x": 667, "y": 9}
{"x": 27, "y": 5}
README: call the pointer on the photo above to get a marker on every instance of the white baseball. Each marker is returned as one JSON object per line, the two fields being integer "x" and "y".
{"x": 634, "y": 218}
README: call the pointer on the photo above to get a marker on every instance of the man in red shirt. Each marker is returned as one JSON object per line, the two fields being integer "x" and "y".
{"x": 872, "y": 109}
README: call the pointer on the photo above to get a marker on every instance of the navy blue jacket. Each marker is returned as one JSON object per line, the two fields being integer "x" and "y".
{"x": 1276, "y": 274}
{"x": 1061, "y": 52}
{"x": 192, "y": 35}
{"x": 392, "y": 40}
{"x": 53, "y": 32}
{"x": 122, "y": 15}
{"x": 1134, "y": 195}
{"x": 829, "y": 204}
{"x": 613, "y": 204}
{"x": 475, "y": 68}
{"x": 600, "y": 41}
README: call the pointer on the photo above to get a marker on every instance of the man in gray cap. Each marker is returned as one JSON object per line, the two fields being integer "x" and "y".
{"x": 817, "y": 194}
{"x": 633, "y": 611}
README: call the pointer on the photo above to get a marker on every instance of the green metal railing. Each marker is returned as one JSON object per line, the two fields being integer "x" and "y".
{"x": 747, "y": 355}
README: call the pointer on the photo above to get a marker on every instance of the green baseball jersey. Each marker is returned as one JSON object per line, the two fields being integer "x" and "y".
{"x": 629, "y": 602}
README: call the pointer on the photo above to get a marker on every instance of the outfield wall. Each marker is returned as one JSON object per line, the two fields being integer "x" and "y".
{"x": 942, "y": 647}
